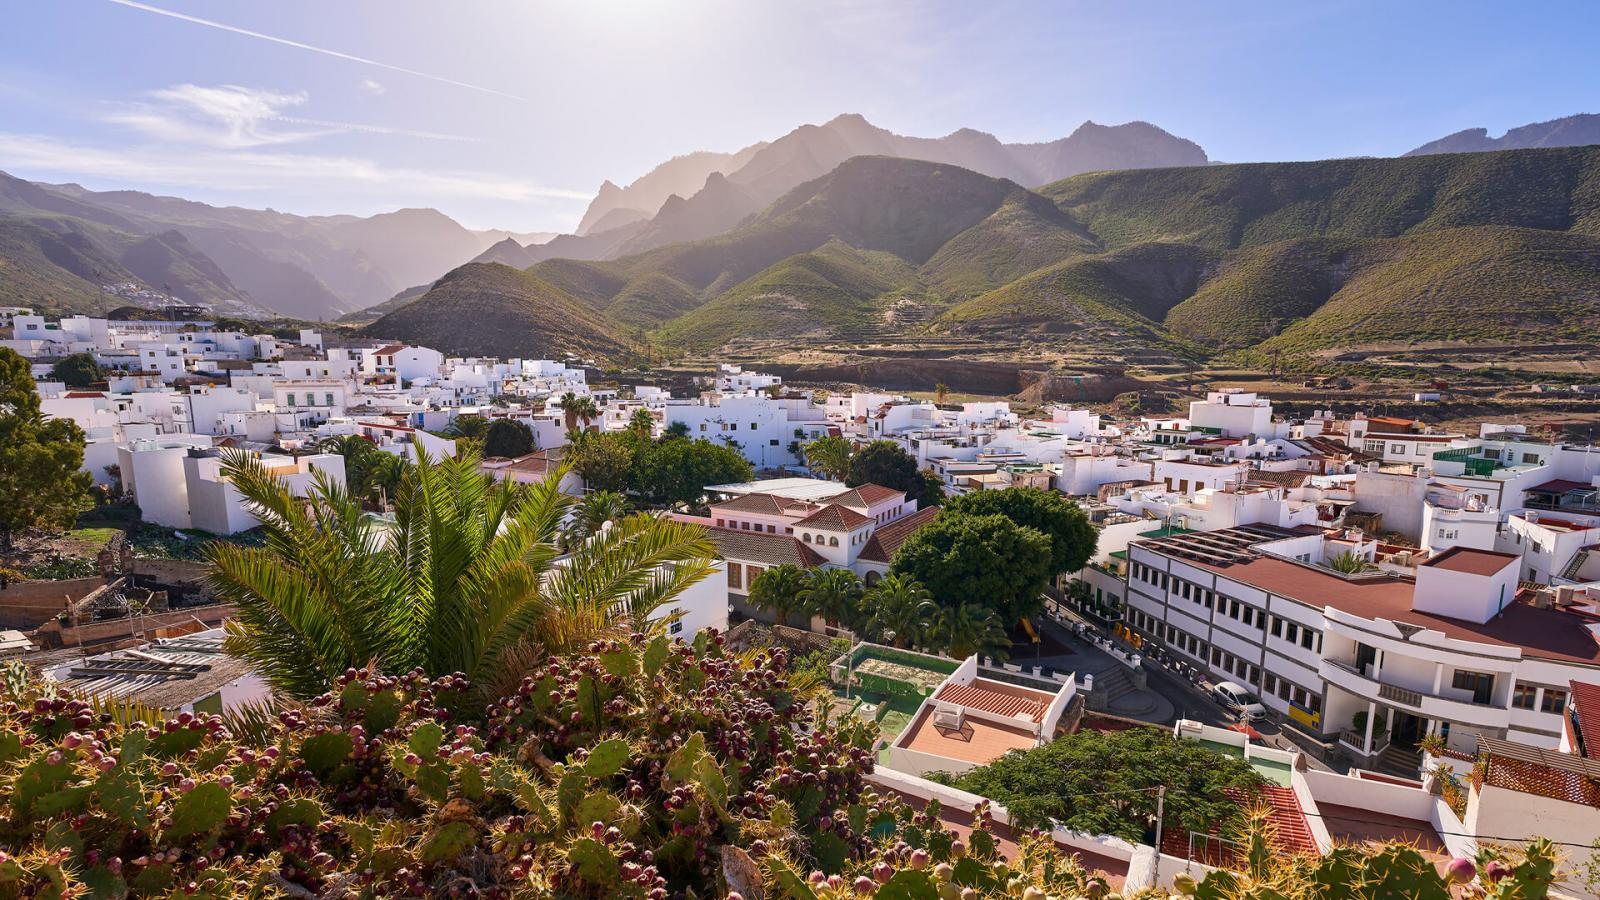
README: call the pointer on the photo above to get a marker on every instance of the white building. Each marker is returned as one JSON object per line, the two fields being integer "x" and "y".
{"x": 1232, "y": 413}
{"x": 1372, "y": 660}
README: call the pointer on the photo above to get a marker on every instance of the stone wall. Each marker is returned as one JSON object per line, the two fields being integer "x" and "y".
{"x": 30, "y": 604}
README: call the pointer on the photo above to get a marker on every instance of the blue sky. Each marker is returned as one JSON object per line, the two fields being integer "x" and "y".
{"x": 510, "y": 113}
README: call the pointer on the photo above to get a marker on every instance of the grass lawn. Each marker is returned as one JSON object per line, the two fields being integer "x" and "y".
{"x": 96, "y": 536}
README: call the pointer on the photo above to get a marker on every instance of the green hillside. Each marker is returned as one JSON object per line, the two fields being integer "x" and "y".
{"x": 56, "y": 267}
{"x": 488, "y": 309}
{"x": 1295, "y": 258}
{"x": 827, "y": 291}
{"x": 1223, "y": 207}
{"x": 1024, "y": 234}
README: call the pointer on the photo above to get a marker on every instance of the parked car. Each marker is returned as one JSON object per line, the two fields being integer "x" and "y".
{"x": 1239, "y": 699}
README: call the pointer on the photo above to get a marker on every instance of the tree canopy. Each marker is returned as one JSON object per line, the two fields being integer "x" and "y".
{"x": 42, "y": 484}
{"x": 1105, "y": 783}
{"x": 1072, "y": 537}
{"x": 77, "y": 370}
{"x": 883, "y": 462}
{"x": 676, "y": 471}
{"x": 777, "y": 590}
{"x": 962, "y": 558}
{"x": 508, "y": 438}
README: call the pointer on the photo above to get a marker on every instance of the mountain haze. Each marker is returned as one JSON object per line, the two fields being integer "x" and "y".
{"x": 1570, "y": 131}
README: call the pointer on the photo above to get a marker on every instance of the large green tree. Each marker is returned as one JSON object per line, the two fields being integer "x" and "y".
{"x": 668, "y": 472}
{"x": 471, "y": 426}
{"x": 603, "y": 461}
{"x": 990, "y": 560}
{"x": 42, "y": 484}
{"x": 1072, "y": 537}
{"x": 1105, "y": 783}
{"x": 465, "y": 580}
{"x": 883, "y": 462}
{"x": 829, "y": 456}
{"x": 508, "y": 438}
{"x": 77, "y": 370}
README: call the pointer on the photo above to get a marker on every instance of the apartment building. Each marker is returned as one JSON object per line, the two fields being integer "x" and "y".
{"x": 1376, "y": 658}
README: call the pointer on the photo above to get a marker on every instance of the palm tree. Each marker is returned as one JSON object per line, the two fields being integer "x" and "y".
{"x": 777, "y": 590}
{"x": 968, "y": 628}
{"x": 591, "y": 514}
{"x": 829, "y": 456}
{"x": 900, "y": 605}
{"x": 466, "y": 580}
{"x": 835, "y": 595}
{"x": 642, "y": 421}
{"x": 569, "y": 410}
{"x": 941, "y": 393}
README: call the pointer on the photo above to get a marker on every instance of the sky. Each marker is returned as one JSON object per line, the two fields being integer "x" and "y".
{"x": 509, "y": 114}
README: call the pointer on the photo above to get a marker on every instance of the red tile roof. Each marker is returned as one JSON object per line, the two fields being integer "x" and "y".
{"x": 866, "y": 495}
{"x": 1560, "y": 486}
{"x": 834, "y": 517}
{"x": 888, "y": 538}
{"x": 1585, "y": 703}
{"x": 766, "y": 549}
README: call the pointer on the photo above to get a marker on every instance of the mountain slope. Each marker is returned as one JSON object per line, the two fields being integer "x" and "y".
{"x": 680, "y": 176}
{"x": 1570, "y": 131}
{"x": 816, "y": 294}
{"x": 1223, "y": 207}
{"x": 1024, "y": 234}
{"x": 55, "y": 265}
{"x": 487, "y": 309}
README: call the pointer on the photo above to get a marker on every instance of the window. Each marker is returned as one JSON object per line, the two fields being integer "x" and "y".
{"x": 806, "y": 537}
{"x": 733, "y": 576}
{"x": 833, "y": 542}
{"x": 1277, "y": 627}
{"x": 773, "y": 442}
{"x": 1397, "y": 449}
{"x": 288, "y": 399}
{"x": 1308, "y": 639}
{"x": 676, "y": 627}
{"x": 1480, "y": 684}
{"x": 1523, "y": 696}
{"x": 1530, "y": 458}
{"x": 1554, "y": 701}
{"x": 328, "y": 398}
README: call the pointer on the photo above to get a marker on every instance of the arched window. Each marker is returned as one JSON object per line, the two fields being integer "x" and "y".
{"x": 833, "y": 542}
{"x": 808, "y": 537}
{"x": 873, "y": 578}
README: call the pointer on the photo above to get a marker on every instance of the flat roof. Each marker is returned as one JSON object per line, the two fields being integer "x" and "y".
{"x": 979, "y": 741}
{"x": 1472, "y": 561}
{"x": 790, "y": 488}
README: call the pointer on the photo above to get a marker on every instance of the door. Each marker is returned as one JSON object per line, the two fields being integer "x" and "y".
{"x": 1408, "y": 729}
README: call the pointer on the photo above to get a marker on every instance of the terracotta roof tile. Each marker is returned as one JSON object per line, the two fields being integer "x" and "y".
{"x": 864, "y": 496}
{"x": 997, "y": 702}
{"x": 767, "y": 549}
{"x": 752, "y": 503}
{"x": 888, "y": 538}
{"x": 1585, "y": 703}
{"x": 834, "y": 517}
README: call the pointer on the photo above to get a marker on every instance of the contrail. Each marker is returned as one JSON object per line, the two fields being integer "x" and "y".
{"x": 171, "y": 14}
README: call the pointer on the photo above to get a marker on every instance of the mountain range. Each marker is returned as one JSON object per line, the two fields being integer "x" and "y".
{"x": 1298, "y": 258}
{"x": 1569, "y": 131}
{"x": 241, "y": 261}
{"x": 705, "y": 194}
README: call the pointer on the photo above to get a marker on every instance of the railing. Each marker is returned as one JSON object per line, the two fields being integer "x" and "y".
{"x": 1399, "y": 695}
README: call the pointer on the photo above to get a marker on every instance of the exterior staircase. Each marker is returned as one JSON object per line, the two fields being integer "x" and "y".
{"x": 1398, "y": 761}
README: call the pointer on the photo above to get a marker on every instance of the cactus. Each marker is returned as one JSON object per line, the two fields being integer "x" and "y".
{"x": 638, "y": 770}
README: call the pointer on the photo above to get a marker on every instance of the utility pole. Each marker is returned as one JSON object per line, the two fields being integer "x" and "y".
{"x": 1161, "y": 808}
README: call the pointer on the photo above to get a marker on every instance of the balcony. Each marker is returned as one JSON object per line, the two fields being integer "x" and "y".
{"x": 1423, "y": 703}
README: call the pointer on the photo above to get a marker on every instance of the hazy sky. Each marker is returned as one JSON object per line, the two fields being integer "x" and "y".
{"x": 510, "y": 113}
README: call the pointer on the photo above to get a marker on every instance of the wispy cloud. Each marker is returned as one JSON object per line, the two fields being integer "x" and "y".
{"x": 265, "y": 171}
{"x": 298, "y": 45}
{"x": 370, "y": 86}
{"x": 231, "y": 116}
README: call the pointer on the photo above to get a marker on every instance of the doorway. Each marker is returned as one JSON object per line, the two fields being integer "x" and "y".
{"x": 1408, "y": 730}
